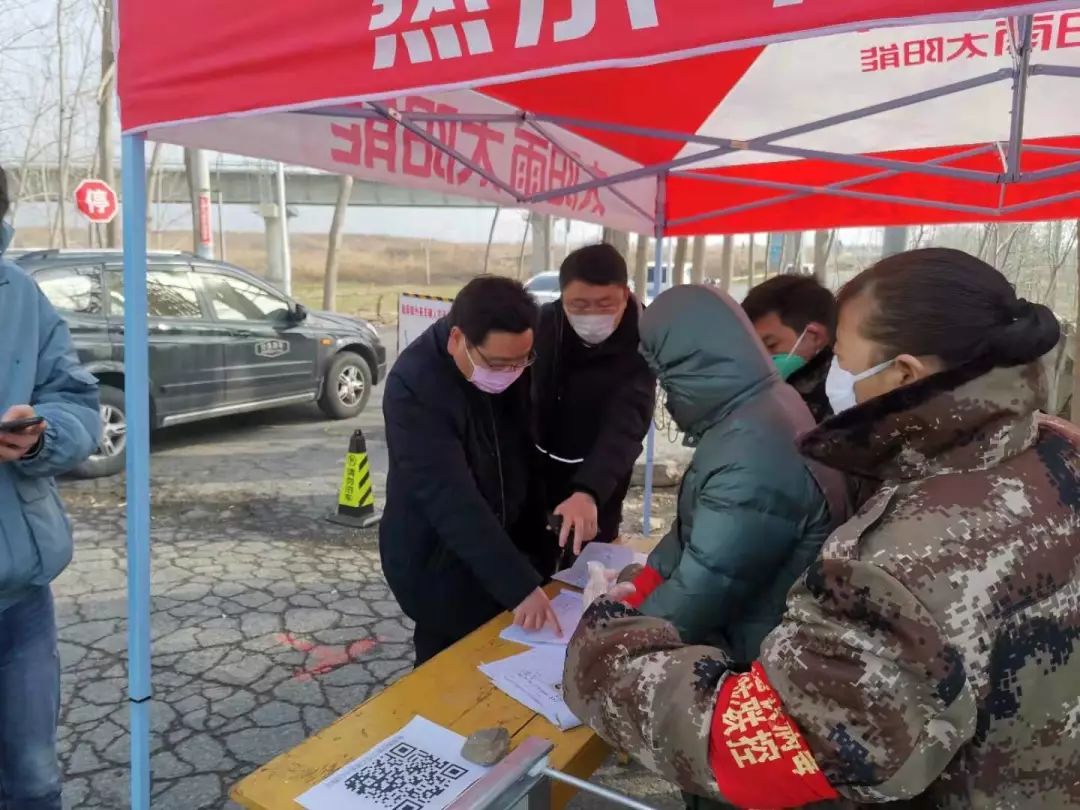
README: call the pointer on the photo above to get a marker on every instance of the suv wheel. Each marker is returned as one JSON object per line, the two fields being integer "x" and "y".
{"x": 347, "y": 386}
{"x": 108, "y": 459}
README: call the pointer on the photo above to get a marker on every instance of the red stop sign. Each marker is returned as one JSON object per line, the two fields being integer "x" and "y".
{"x": 96, "y": 201}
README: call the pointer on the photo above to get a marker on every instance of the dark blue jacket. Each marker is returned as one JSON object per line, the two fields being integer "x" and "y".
{"x": 461, "y": 494}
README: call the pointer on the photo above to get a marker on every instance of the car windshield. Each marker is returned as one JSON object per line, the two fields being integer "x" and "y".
{"x": 545, "y": 283}
{"x": 236, "y": 300}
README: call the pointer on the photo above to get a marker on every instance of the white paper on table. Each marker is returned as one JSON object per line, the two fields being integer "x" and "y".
{"x": 534, "y": 679}
{"x": 567, "y": 607}
{"x": 609, "y": 555}
{"x": 420, "y": 767}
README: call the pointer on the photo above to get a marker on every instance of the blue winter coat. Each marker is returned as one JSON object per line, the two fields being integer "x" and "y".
{"x": 38, "y": 367}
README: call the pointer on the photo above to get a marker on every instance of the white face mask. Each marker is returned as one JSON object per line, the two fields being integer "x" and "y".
{"x": 840, "y": 384}
{"x": 593, "y": 329}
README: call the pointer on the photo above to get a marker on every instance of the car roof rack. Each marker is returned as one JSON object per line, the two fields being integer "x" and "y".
{"x": 44, "y": 253}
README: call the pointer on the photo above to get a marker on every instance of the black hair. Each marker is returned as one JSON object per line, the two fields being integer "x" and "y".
{"x": 601, "y": 265}
{"x": 948, "y": 304}
{"x": 798, "y": 301}
{"x": 493, "y": 304}
{"x": 5, "y": 200}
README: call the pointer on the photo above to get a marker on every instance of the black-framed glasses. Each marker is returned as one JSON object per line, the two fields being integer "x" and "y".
{"x": 506, "y": 366}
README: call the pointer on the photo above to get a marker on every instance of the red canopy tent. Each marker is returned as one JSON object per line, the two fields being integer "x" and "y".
{"x": 770, "y": 115}
{"x": 659, "y": 116}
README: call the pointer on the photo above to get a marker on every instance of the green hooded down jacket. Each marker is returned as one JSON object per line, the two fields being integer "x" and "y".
{"x": 752, "y": 512}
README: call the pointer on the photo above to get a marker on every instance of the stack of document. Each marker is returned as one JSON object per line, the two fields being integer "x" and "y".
{"x": 607, "y": 554}
{"x": 534, "y": 679}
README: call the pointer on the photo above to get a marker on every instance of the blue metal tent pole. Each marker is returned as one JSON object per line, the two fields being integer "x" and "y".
{"x": 658, "y": 261}
{"x": 137, "y": 405}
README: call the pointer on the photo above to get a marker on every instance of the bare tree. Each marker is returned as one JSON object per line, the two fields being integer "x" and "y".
{"x": 823, "y": 244}
{"x": 1058, "y": 246}
{"x": 923, "y": 236}
{"x": 337, "y": 229}
{"x": 750, "y": 260}
{"x": 106, "y": 98}
{"x": 61, "y": 141}
{"x": 678, "y": 272}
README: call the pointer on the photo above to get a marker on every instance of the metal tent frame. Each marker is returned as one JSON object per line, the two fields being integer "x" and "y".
{"x": 137, "y": 395}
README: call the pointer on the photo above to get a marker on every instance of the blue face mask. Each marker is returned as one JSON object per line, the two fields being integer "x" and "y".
{"x": 7, "y": 233}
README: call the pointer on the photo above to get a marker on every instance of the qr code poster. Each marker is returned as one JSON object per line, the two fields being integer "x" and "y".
{"x": 419, "y": 768}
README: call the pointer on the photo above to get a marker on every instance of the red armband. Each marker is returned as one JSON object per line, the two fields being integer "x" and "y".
{"x": 647, "y": 581}
{"x": 757, "y": 754}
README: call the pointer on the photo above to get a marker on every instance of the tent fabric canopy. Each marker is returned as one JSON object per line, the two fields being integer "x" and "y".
{"x": 772, "y": 115}
{"x": 659, "y": 116}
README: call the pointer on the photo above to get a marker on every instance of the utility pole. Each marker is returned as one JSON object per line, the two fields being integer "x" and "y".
{"x": 727, "y": 262}
{"x": 697, "y": 263}
{"x": 198, "y": 168}
{"x": 750, "y": 262}
{"x": 641, "y": 267}
{"x": 678, "y": 274}
{"x": 822, "y": 243}
{"x": 894, "y": 241}
{"x": 286, "y": 255}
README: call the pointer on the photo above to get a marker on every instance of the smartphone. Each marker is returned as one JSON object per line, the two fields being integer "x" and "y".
{"x": 20, "y": 425}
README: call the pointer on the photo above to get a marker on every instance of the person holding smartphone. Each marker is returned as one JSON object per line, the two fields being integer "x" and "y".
{"x": 49, "y": 423}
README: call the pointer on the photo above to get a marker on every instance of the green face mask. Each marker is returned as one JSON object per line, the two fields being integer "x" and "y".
{"x": 788, "y": 364}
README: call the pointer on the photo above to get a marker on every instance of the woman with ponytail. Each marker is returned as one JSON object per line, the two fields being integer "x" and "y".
{"x": 931, "y": 654}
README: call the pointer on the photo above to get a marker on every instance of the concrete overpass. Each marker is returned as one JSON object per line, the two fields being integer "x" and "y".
{"x": 240, "y": 185}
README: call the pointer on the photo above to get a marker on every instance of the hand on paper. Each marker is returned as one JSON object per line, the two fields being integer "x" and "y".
{"x": 536, "y": 612}
{"x": 578, "y": 513}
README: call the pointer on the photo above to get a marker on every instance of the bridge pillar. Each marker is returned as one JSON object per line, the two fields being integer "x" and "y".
{"x": 275, "y": 259}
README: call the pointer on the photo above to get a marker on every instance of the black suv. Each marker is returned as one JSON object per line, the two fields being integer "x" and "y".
{"x": 222, "y": 341}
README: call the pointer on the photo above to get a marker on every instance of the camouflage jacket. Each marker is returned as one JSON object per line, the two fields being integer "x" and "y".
{"x": 928, "y": 657}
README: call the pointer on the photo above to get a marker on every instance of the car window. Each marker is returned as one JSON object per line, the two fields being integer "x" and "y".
{"x": 233, "y": 299}
{"x": 169, "y": 294}
{"x": 72, "y": 289}
{"x": 543, "y": 284}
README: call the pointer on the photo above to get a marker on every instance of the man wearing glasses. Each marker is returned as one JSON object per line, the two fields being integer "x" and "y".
{"x": 464, "y": 534}
{"x": 593, "y": 395}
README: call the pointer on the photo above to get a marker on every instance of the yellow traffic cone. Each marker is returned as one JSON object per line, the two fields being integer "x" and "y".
{"x": 356, "y": 500}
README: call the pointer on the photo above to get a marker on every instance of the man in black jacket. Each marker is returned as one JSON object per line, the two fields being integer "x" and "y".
{"x": 593, "y": 394}
{"x": 795, "y": 317}
{"x": 464, "y": 535}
